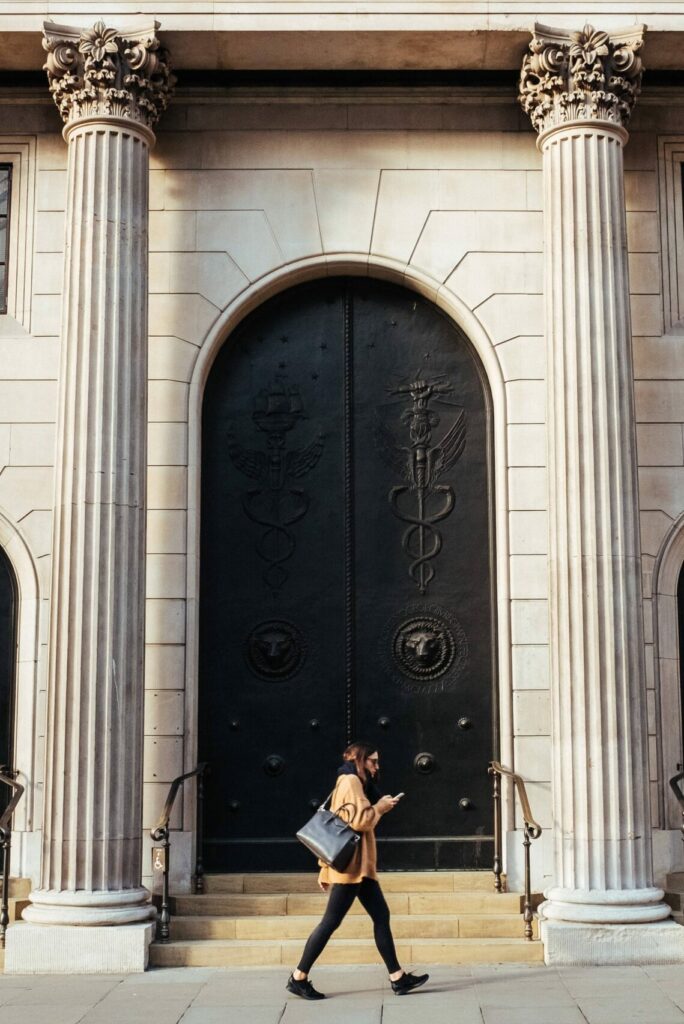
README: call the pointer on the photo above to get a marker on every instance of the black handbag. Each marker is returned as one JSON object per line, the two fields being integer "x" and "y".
{"x": 329, "y": 837}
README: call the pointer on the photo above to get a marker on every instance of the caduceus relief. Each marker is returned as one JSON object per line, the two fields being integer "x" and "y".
{"x": 275, "y": 504}
{"x": 422, "y": 501}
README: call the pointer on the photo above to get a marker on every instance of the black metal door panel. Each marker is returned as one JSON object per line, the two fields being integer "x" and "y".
{"x": 346, "y": 574}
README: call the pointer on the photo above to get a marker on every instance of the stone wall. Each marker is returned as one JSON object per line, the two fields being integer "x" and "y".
{"x": 250, "y": 191}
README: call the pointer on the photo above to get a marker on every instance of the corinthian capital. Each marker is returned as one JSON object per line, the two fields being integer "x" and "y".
{"x": 581, "y": 76}
{"x": 107, "y": 72}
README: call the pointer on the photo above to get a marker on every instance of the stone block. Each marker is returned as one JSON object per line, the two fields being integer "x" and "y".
{"x": 535, "y": 190}
{"x": 51, "y": 187}
{"x": 166, "y": 487}
{"x": 654, "y": 527}
{"x": 212, "y": 274}
{"x": 527, "y": 489}
{"x": 179, "y": 315}
{"x": 512, "y": 316}
{"x": 245, "y": 235}
{"x": 521, "y": 358}
{"x": 533, "y": 757}
{"x": 641, "y": 190}
{"x": 167, "y": 401}
{"x": 24, "y": 489}
{"x": 48, "y": 273}
{"x": 529, "y": 622}
{"x": 647, "y": 315}
{"x": 644, "y": 273}
{"x": 526, "y": 401}
{"x": 171, "y": 358}
{"x": 530, "y": 667}
{"x": 529, "y": 576}
{"x": 165, "y": 622}
{"x": 526, "y": 444}
{"x": 173, "y": 231}
{"x": 31, "y": 444}
{"x": 166, "y": 531}
{"x": 531, "y": 713}
{"x": 659, "y": 358}
{"x": 49, "y": 232}
{"x": 53, "y": 949}
{"x": 4, "y": 444}
{"x": 164, "y": 666}
{"x": 482, "y": 189}
{"x": 163, "y": 758}
{"x": 338, "y": 192}
{"x": 167, "y": 444}
{"x": 46, "y": 315}
{"x": 566, "y": 943}
{"x": 481, "y": 274}
{"x": 164, "y": 712}
{"x": 642, "y": 232}
{"x": 528, "y": 533}
{"x": 165, "y": 576}
{"x": 662, "y": 487}
{"x": 403, "y": 205}
{"x": 660, "y": 444}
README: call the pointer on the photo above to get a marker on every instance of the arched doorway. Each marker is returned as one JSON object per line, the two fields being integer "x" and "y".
{"x": 346, "y": 585}
{"x": 8, "y": 614}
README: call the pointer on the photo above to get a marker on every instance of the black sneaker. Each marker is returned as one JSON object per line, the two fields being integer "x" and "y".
{"x": 304, "y": 988}
{"x": 408, "y": 982}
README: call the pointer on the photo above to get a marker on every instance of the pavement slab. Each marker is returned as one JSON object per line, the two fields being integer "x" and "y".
{"x": 491, "y": 994}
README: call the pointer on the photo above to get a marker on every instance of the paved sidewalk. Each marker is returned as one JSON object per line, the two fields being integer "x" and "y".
{"x": 455, "y": 995}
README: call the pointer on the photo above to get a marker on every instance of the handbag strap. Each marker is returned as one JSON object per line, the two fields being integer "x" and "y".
{"x": 325, "y": 806}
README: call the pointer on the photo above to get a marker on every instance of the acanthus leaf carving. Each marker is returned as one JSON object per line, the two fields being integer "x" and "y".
{"x": 108, "y": 72}
{"x": 581, "y": 76}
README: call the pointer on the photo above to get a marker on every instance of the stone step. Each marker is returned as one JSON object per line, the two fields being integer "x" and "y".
{"x": 227, "y": 953}
{"x": 675, "y": 882}
{"x": 391, "y": 881}
{"x": 280, "y": 904}
{"x": 404, "y": 926}
{"x": 18, "y": 887}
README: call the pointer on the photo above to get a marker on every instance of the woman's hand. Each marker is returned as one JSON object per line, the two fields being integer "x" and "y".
{"x": 324, "y": 885}
{"x": 385, "y": 804}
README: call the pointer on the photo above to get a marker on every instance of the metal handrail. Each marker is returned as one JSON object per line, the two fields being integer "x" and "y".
{"x": 532, "y": 830}
{"x": 9, "y": 778}
{"x": 676, "y": 789}
{"x": 160, "y": 833}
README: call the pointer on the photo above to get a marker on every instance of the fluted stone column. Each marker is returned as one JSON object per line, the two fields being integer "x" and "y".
{"x": 579, "y": 89}
{"x": 110, "y": 87}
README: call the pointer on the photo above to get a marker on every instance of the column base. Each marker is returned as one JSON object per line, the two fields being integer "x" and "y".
{"x": 56, "y": 949}
{"x": 584, "y": 945}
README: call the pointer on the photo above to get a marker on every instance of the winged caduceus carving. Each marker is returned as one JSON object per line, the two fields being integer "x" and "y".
{"x": 422, "y": 501}
{"x": 275, "y": 504}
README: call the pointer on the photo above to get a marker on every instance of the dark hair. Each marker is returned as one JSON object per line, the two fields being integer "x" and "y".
{"x": 358, "y": 752}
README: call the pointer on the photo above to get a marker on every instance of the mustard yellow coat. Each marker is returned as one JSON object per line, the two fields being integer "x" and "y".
{"x": 363, "y": 817}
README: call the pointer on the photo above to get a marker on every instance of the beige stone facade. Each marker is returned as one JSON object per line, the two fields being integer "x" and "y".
{"x": 255, "y": 188}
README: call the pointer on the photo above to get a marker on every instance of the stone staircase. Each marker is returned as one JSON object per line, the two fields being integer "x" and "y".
{"x": 674, "y": 895}
{"x": 19, "y": 888}
{"x": 440, "y": 917}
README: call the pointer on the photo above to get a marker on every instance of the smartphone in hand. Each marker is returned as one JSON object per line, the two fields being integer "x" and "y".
{"x": 399, "y": 796}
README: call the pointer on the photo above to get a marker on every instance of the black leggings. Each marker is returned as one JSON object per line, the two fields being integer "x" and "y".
{"x": 339, "y": 901}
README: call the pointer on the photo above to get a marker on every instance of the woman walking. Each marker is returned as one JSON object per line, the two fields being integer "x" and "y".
{"x": 357, "y": 792}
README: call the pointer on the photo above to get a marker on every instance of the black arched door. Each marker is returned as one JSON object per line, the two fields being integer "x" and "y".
{"x": 346, "y": 575}
{"x": 8, "y": 608}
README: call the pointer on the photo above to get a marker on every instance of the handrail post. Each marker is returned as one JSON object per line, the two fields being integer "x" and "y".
{"x": 496, "y": 796}
{"x": 527, "y": 905}
{"x": 198, "y": 877}
{"x": 164, "y": 923}
{"x": 9, "y": 777}
{"x": 5, "y": 843}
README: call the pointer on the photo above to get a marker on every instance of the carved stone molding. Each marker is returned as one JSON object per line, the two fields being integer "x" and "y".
{"x": 581, "y": 76}
{"x": 108, "y": 73}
